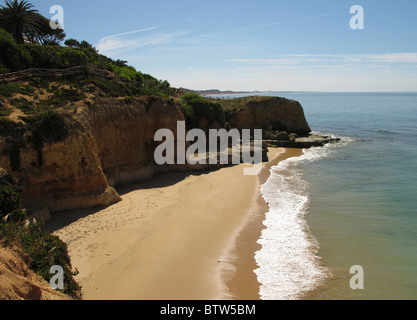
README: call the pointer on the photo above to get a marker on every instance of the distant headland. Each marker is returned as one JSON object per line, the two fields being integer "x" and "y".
{"x": 212, "y": 92}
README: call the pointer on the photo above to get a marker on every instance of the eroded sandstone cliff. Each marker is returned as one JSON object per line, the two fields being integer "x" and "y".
{"x": 272, "y": 113}
{"x": 111, "y": 143}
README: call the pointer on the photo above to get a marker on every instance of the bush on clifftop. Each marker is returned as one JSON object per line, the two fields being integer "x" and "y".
{"x": 196, "y": 107}
{"x": 43, "y": 249}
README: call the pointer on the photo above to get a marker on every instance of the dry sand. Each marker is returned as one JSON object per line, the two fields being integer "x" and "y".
{"x": 179, "y": 236}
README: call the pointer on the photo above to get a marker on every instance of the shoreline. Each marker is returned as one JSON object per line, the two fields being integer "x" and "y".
{"x": 243, "y": 284}
{"x": 179, "y": 236}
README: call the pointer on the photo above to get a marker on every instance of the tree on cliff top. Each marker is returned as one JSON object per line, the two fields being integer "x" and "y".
{"x": 25, "y": 24}
{"x": 45, "y": 34}
{"x": 19, "y": 19}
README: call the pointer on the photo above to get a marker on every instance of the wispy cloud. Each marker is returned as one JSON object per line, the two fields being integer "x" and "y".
{"x": 124, "y": 41}
{"x": 333, "y": 59}
{"x": 126, "y": 33}
{"x": 407, "y": 57}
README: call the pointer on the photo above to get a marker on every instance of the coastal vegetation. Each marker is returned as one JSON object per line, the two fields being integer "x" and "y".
{"x": 24, "y": 23}
{"x": 42, "y": 248}
{"x": 196, "y": 107}
{"x": 26, "y": 41}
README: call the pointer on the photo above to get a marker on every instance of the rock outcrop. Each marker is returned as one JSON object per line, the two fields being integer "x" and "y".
{"x": 272, "y": 114}
{"x": 292, "y": 141}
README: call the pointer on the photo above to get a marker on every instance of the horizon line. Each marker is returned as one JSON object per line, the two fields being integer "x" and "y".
{"x": 297, "y": 91}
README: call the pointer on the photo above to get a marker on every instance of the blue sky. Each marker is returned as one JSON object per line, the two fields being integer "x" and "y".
{"x": 298, "y": 45}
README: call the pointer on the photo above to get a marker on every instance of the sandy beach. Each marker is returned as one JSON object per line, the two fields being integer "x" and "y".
{"x": 179, "y": 236}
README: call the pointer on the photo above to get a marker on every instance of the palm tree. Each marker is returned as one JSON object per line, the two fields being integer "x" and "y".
{"x": 19, "y": 19}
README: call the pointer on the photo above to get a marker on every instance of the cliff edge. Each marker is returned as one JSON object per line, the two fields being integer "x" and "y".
{"x": 91, "y": 137}
{"x": 267, "y": 113}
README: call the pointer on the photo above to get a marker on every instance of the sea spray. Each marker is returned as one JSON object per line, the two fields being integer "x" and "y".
{"x": 288, "y": 261}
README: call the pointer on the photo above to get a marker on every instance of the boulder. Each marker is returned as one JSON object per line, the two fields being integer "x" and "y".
{"x": 292, "y": 137}
{"x": 268, "y": 135}
{"x": 282, "y": 136}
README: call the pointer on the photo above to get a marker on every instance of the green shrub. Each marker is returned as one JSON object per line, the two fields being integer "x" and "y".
{"x": 192, "y": 96}
{"x": 191, "y": 120}
{"x": 5, "y": 38}
{"x": 26, "y": 89}
{"x": 50, "y": 127}
{"x": 3, "y": 68}
{"x": 152, "y": 86}
{"x": 7, "y": 47}
{"x": 202, "y": 108}
{"x": 69, "y": 95}
{"x": 55, "y": 57}
{"x": 13, "y": 57}
{"x": 125, "y": 71}
{"x": 8, "y": 89}
{"x": 9, "y": 200}
{"x": 227, "y": 126}
{"x": 46, "y": 250}
{"x": 60, "y": 98}
{"x": 24, "y": 105}
{"x": 43, "y": 249}
{"x": 4, "y": 112}
{"x": 116, "y": 89}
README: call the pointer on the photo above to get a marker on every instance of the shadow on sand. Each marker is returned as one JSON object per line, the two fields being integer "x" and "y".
{"x": 62, "y": 219}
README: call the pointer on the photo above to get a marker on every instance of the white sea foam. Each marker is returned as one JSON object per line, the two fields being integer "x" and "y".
{"x": 288, "y": 261}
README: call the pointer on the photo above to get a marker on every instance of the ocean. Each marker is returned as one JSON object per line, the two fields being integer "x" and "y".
{"x": 346, "y": 204}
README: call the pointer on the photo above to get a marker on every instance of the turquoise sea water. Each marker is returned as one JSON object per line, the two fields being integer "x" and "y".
{"x": 363, "y": 208}
{"x": 349, "y": 204}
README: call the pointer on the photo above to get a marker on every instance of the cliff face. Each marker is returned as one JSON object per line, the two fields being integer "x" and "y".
{"x": 124, "y": 136}
{"x": 64, "y": 181}
{"x": 272, "y": 113}
{"x": 111, "y": 143}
